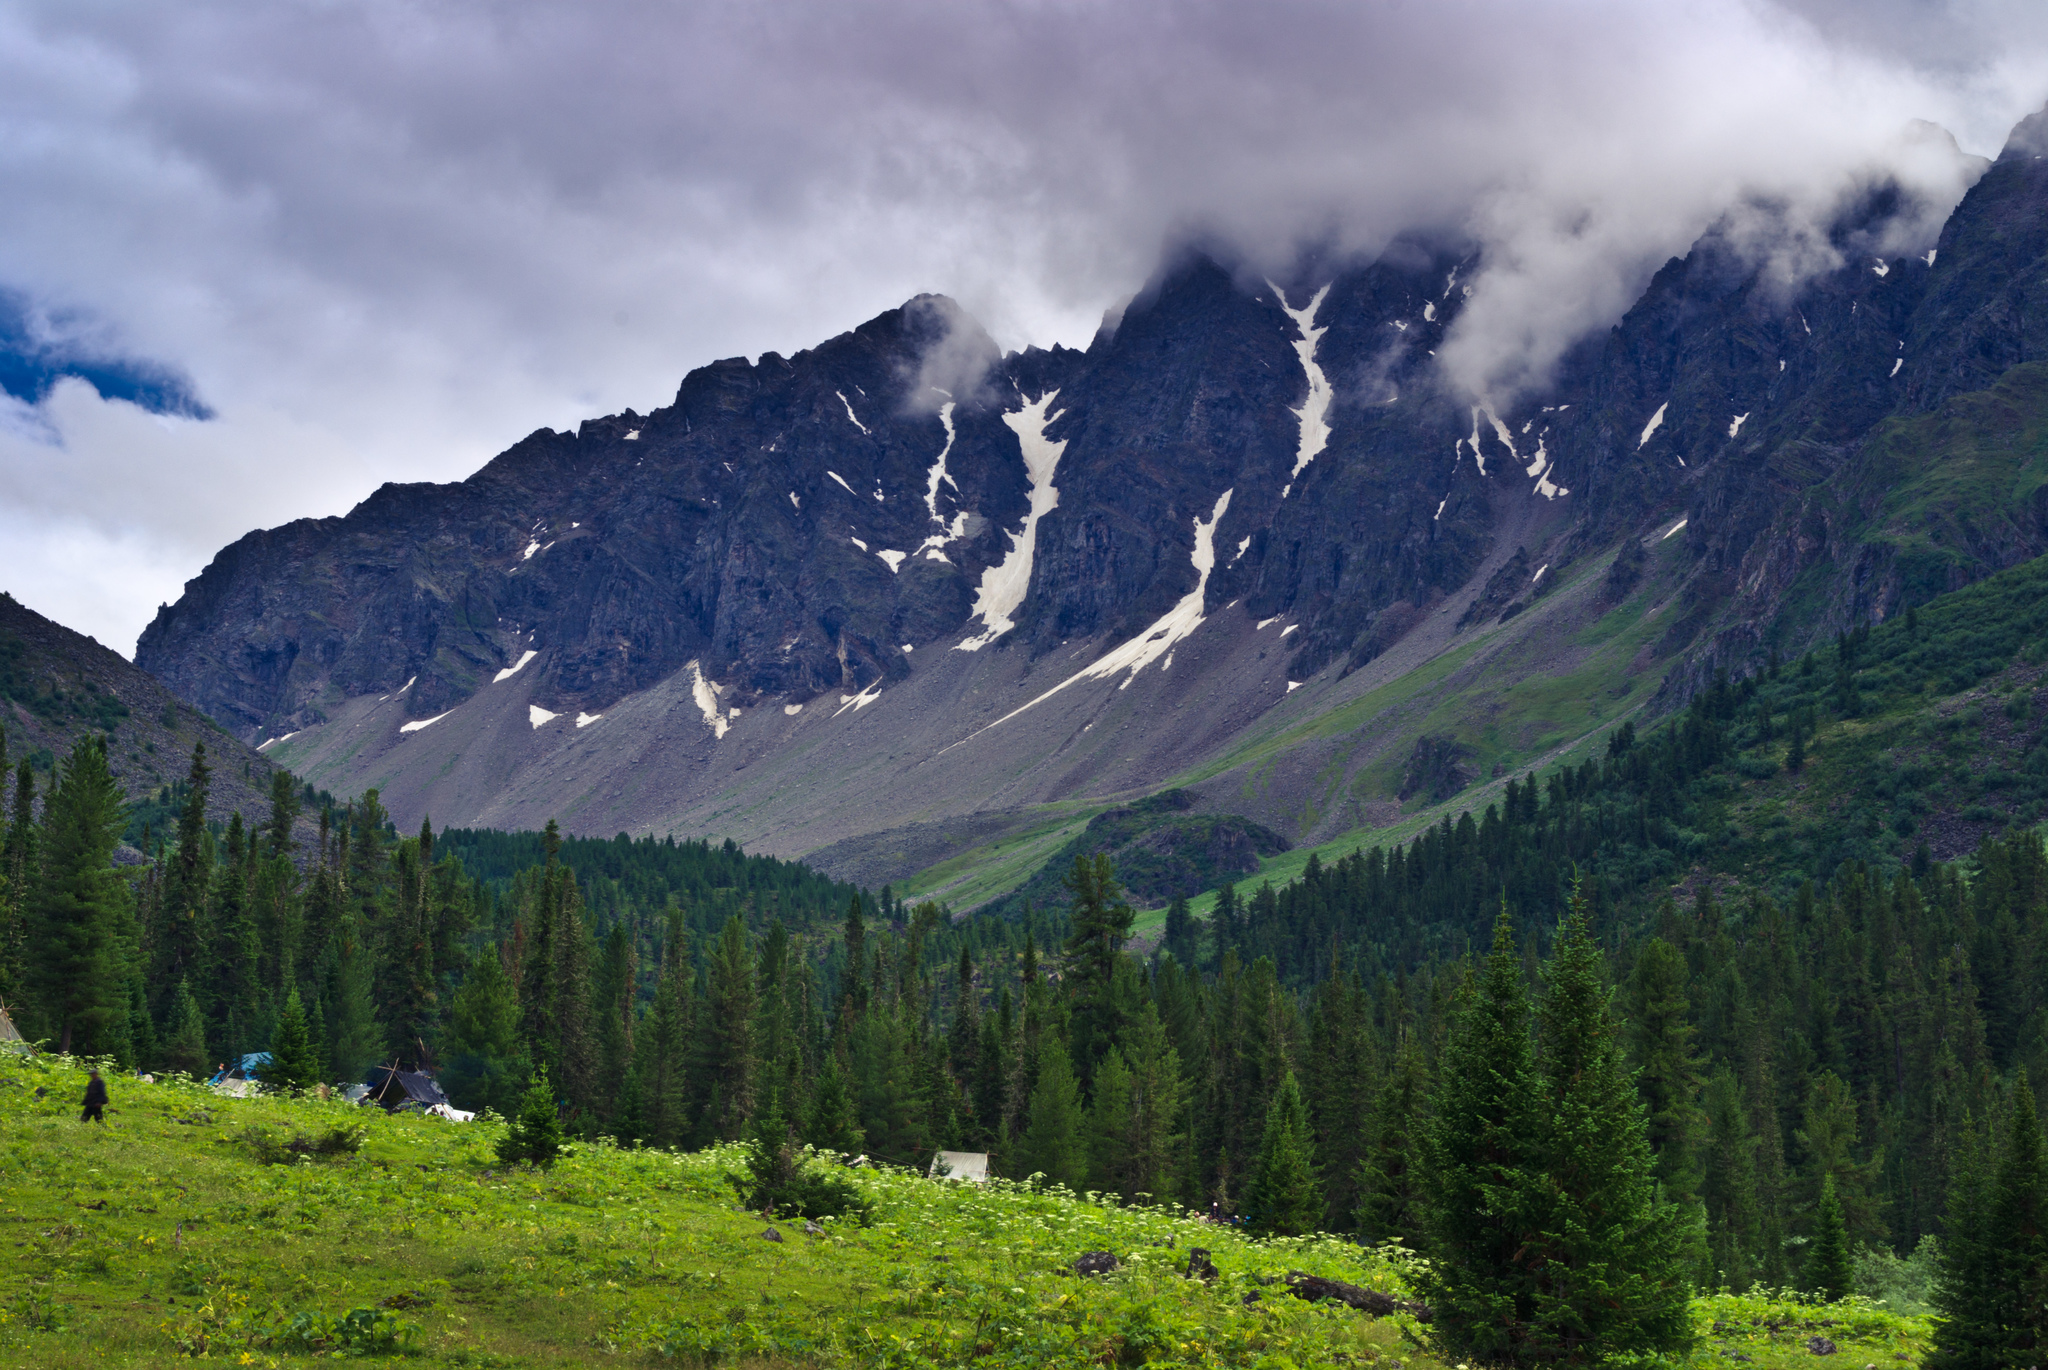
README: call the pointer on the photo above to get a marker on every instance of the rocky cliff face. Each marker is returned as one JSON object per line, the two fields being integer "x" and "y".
{"x": 1001, "y": 553}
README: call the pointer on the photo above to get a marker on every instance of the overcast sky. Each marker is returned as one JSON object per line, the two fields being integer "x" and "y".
{"x": 382, "y": 241}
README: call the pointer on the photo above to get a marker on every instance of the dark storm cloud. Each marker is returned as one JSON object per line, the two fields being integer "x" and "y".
{"x": 386, "y": 239}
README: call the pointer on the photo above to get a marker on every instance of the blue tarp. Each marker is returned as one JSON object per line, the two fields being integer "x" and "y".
{"x": 250, "y": 1067}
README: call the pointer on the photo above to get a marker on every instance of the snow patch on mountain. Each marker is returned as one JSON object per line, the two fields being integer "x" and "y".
{"x": 705, "y": 693}
{"x": 1004, "y": 584}
{"x": 850, "y": 414}
{"x": 514, "y": 669}
{"x": 1314, "y": 413}
{"x": 1157, "y": 641}
{"x": 1656, "y": 422}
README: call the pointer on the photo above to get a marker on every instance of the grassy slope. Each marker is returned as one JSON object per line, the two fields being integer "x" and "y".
{"x": 1520, "y": 697}
{"x": 160, "y": 1230}
{"x": 1937, "y": 497}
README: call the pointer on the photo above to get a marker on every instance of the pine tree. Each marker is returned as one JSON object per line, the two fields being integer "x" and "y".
{"x": 294, "y": 1063}
{"x": 1995, "y": 1259}
{"x": 1285, "y": 1196}
{"x": 1729, "y": 1187}
{"x": 1390, "y": 1203}
{"x": 726, "y": 1065}
{"x": 1829, "y": 1274}
{"x": 81, "y": 920}
{"x": 1053, "y": 1144}
{"x": 1178, "y": 940}
{"x": 1101, "y": 923}
{"x": 1480, "y": 1163}
{"x": 534, "y": 1136}
{"x": 1609, "y": 1255}
{"x": 356, "y": 1040}
{"x": 184, "y": 1046}
{"x": 830, "y": 1123}
{"x": 482, "y": 1047}
{"x": 1108, "y": 1126}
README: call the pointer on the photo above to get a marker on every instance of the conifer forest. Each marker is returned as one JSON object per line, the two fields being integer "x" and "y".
{"x": 1764, "y": 1082}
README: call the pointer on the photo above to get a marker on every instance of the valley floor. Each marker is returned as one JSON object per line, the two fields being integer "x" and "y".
{"x": 161, "y": 1235}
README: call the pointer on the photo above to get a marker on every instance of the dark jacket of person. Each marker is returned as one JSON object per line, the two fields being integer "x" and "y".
{"x": 96, "y": 1093}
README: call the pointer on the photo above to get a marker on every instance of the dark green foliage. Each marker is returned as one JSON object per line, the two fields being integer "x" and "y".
{"x": 1829, "y": 1275}
{"x": 830, "y": 1123}
{"x": 1053, "y": 1145}
{"x": 1159, "y": 852}
{"x": 1480, "y": 1164}
{"x": 781, "y": 1178}
{"x": 482, "y": 1049}
{"x": 1285, "y": 1195}
{"x": 1992, "y": 1293}
{"x": 534, "y": 1136}
{"x": 80, "y": 916}
{"x": 294, "y": 1061}
{"x": 272, "y": 1148}
{"x": 1390, "y": 1201}
{"x": 1611, "y": 1257}
{"x": 1549, "y": 1242}
{"x": 184, "y": 1045}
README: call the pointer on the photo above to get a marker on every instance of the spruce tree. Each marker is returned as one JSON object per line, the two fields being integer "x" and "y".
{"x": 534, "y": 1135}
{"x": 184, "y": 1045}
{"x": 1390, "y": 1204}
{"x": 726, "y": 1067}
{"x": 1994, "y": 1271}
{"x": 294, "y": 1063}
{"x": 81, "y": 919}
{"x": 482, "y": 1050}
{"x": 356, "y": 1039}
{"x": 1053, "y": 1144}
{"x": 1285, "y": 1196}
{"x": 1480, "y": 1161}
{"x": 830, "y": 1123}
{"x": 1108, "y": 1128}
{"x": 1610, "y": 1255}
{"x": 1101, "y": 924}
{"x": 1729, "y": 1186}
{"x": 1829, "y": 1275}
{"x": 1178, "y": 939}
{"x": 661, "y": 1060}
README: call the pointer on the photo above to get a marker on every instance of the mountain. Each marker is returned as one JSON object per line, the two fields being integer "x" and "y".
{"x": 924, "y": 610}
{"x": 57, "y": 686}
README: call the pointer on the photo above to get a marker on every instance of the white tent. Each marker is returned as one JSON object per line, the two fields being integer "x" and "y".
{"x": 971, "y": 1166}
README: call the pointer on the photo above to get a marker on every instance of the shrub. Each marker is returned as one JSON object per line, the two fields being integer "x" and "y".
{"x": 535, "y": 1135}
{"x": 271, "y": 1148}
{"x": 781, "y": 1176}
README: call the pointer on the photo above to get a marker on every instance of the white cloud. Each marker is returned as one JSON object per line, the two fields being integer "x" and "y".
{"x": 387, "y": 240}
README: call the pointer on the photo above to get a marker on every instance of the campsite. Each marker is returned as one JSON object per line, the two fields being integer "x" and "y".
{"x": 163, "y": 1235}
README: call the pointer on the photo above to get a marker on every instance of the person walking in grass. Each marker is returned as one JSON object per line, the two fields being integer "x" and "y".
{"x": 95, "y": 1100}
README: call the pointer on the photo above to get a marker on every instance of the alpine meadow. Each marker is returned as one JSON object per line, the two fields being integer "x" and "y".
{"x": 1448, "y": 772}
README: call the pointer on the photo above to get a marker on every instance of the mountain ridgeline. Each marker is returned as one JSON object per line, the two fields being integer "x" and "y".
{"x": 901, "y": 579}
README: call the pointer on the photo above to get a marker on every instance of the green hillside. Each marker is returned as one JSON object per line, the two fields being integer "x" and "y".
{"x": 162, "y": 1236}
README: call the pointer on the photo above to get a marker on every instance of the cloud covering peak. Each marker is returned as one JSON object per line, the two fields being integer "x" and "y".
{"x": 385, "y": 239}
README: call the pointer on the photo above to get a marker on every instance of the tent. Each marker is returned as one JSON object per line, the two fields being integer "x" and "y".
{"x": 394, "y": 1089}
{"x": 240, "y": 1079}
{"x": 971, "y": 1166}
{"x": 10, "y": 1038}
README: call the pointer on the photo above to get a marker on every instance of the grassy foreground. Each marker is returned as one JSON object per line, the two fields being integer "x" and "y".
{"x": 162, "y": 1236}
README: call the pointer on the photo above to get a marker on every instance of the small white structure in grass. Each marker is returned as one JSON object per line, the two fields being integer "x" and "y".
{"x": 971, "y": 1166}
